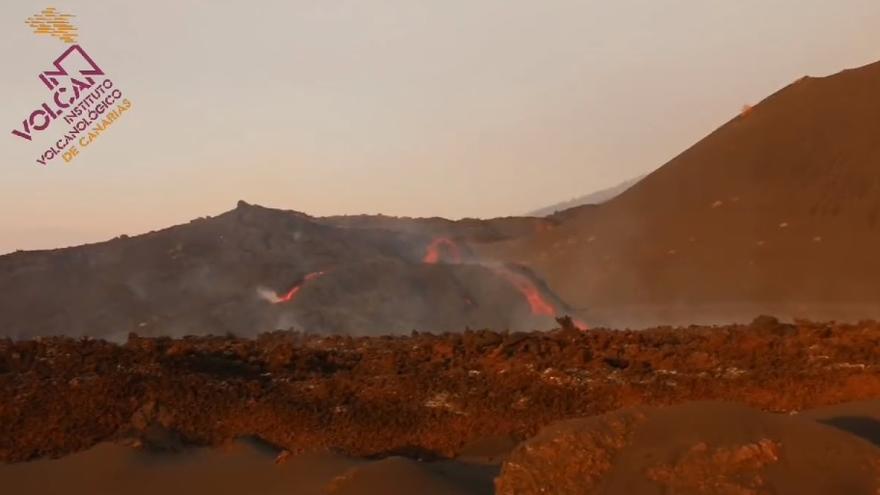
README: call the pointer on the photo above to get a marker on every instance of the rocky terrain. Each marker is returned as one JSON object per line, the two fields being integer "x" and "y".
{"x": 423, "y": 395}
{"x": 256, "y": 269}
{"x": 119, "y": 352}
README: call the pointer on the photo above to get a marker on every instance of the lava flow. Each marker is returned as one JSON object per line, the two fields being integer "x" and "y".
{"x": 295, "y": 290}
{"x": 525, "y": 286}
{"x": 433, "y": 252}
{"x": 537, "y": 304}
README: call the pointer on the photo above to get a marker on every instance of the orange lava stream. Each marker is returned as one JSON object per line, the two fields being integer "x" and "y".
{"x": 537, "y": 304}
{"x": 432, "y": 254}
{"x": 295, "y": 290}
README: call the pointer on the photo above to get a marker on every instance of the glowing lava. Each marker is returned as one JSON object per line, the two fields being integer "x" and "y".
{"x": 433, "y": 252}
{"x": 527, "y": 288}
{"x": 522, "y": 283}
{"x": 295, "y": 290}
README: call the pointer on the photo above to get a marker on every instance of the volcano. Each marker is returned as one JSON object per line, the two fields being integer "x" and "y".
{"x": 776, "y": 212}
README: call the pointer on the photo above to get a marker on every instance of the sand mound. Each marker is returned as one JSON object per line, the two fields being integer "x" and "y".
{"x": 696, "y": 448}
{"x": 242, "y": 467}
{"x": 401, "y": 476}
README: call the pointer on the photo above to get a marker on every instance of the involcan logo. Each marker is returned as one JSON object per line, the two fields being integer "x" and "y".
{"x": 81, "y": 94}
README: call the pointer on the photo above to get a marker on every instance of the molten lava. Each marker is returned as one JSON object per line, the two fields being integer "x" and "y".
{"x": 433, "y": 252}
{"x": 537, "y": 304}
{"x": 295, "y": 290}
{"x": 527, "y": 288}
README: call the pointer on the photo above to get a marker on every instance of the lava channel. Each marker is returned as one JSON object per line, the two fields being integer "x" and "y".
{"x": 538, "y": 305}
{"x": 291, "y": 294}
{"x": 440, "y": 246}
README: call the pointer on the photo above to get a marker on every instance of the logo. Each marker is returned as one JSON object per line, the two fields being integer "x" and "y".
{"x": 53, "y": 23}
{"x": 81, "y": 94}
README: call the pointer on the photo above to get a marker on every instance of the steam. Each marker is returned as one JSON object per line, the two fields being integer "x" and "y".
{"x": 268, "y": 295}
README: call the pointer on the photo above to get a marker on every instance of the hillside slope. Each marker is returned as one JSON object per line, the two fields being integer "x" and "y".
{"x": 777, "y": 211}
{"x": 256, "y": 269}
{"x": 593, "y": 198}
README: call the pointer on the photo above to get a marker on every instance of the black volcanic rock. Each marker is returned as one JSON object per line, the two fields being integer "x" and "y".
{"x": 223, "y": 275}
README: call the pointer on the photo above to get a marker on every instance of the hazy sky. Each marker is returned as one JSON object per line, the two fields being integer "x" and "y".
{"x": 450, "y": 107}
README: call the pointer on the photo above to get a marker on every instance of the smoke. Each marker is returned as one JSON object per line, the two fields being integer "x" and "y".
{"x": 268, "y": 295}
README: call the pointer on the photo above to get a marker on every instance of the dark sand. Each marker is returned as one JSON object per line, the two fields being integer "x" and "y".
{"x": 239, "y": 469}
{"x": 696, "y": 449}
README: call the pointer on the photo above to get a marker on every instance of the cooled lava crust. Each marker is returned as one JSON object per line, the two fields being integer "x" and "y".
{"x": 420, "y": 395}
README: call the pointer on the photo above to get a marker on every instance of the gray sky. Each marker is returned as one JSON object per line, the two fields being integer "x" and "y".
{"x": 452, "y": 108}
